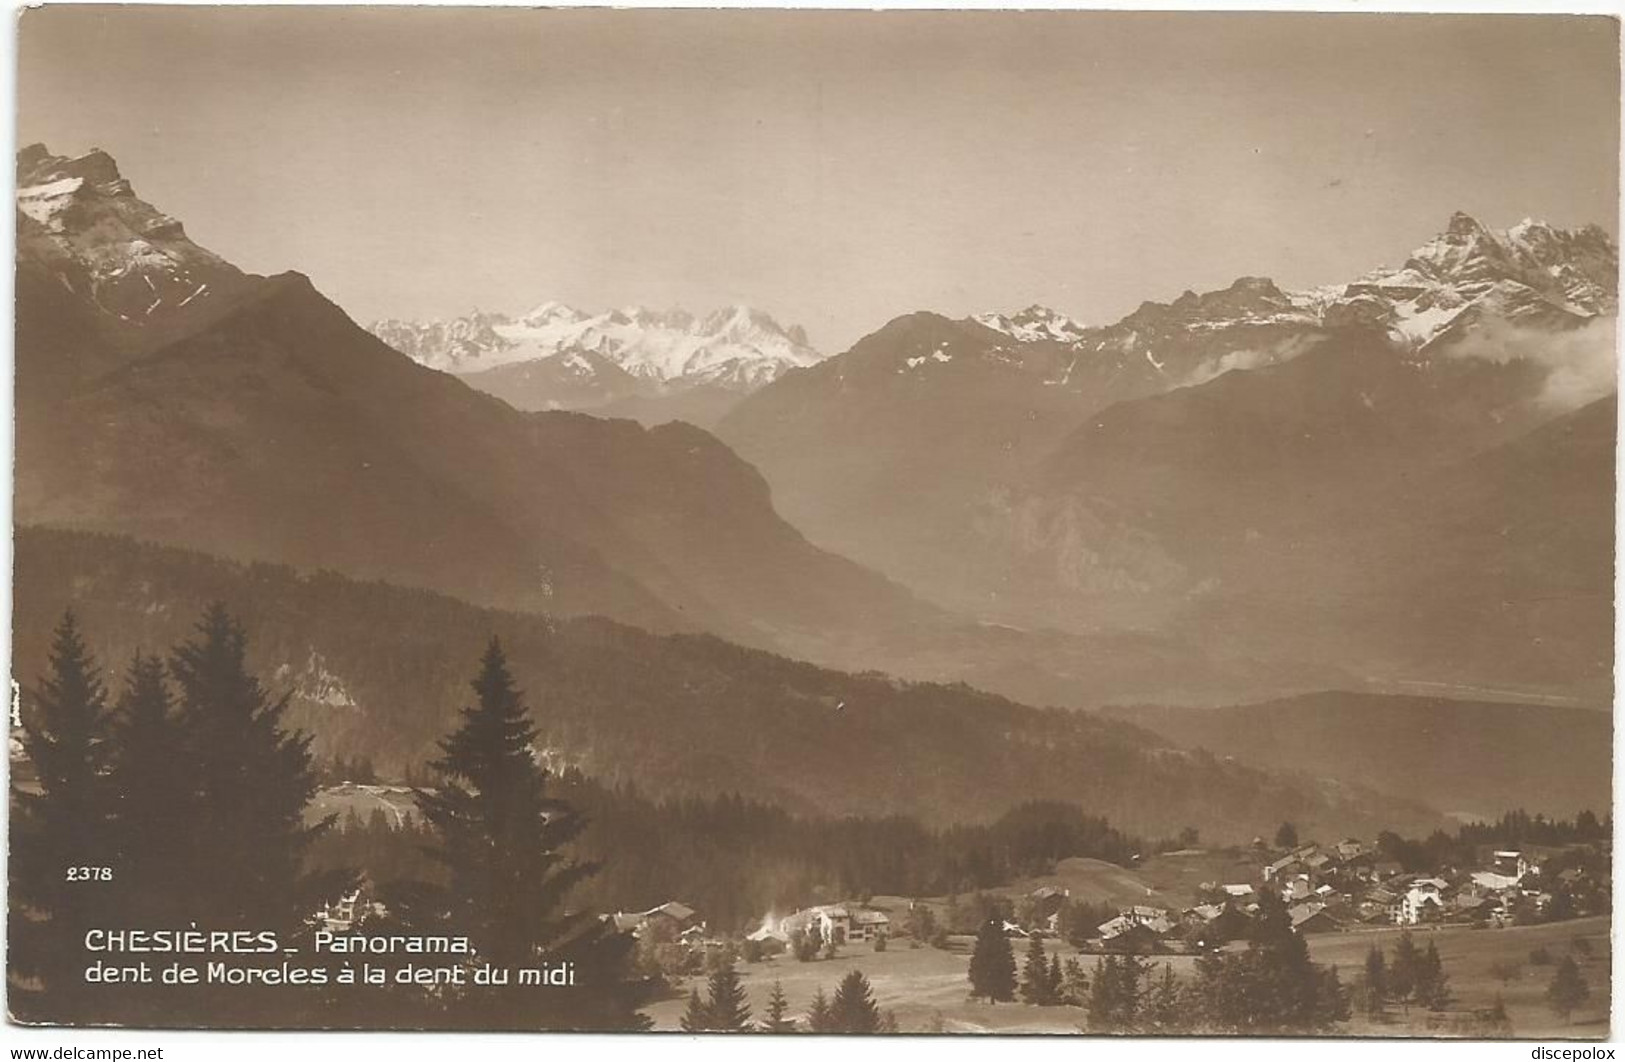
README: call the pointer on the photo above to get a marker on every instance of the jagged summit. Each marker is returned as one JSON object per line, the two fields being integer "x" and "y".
{"x": 36, "y": 164}
{"x": 1463, "y": 224}
{"x": 81, "y": 222}
{"x": 1530, "y": 271}
{"x": 1034, "y": 324}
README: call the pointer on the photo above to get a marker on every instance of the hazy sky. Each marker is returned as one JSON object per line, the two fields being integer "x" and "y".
{"x": 837, "y": 168}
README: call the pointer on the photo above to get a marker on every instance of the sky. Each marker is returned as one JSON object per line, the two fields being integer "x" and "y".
{"x": 836, "y": 169}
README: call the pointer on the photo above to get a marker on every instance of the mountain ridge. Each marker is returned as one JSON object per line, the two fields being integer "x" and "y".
{"x": 557, "y": 357}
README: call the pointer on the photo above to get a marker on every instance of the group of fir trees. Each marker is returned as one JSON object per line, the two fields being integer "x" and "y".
{"x": 179, "y": 804}
{"x": 192, "y": 794}
{"x": 1271, "y": 988}
{"x": 725, "y": 1008}
{"x": 852, "y": 1011}
{"x": 1126, "y": 995}
{"x": 1413, "y": 976}
{"x": 1047, "y": 982}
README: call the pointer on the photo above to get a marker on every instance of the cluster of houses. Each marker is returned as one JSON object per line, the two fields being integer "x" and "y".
{"x": 1346, "y": 885}
{"x": 836, "y": 922}
{"x": 1325, "y": 889}
{"x": 1350, "y": 883}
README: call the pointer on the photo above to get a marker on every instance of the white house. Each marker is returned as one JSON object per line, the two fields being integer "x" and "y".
{"x": 1422, "y": 901}
{"x": 839, "y": 923}
{"x": 1511, "y": 864}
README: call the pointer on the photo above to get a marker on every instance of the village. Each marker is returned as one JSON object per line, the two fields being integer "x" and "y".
{"x": 1327, "y": 888}
{"x": 1507, "y": 904}
{"x": 1500, "y": 914}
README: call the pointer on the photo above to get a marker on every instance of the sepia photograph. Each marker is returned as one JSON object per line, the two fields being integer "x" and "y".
{"x": 1070, "y": 523}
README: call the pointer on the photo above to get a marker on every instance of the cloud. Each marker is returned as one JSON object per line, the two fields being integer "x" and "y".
{"x": 1251, "y": 358}
{"x": 1581, "y": 364}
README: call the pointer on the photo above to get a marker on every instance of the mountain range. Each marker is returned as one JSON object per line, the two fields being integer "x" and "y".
{"x": 257, "y": 420}
{"x": 1175, "y": 470}
{"x": 260, "y": 422}
{"x": 1403, "y": 482}
{"x": 647, "y": 364}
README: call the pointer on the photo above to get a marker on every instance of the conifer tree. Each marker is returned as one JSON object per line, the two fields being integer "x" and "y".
{"x": 61, "y": 826}
{"x": 1035, "y": 986}
{"x": 1568, "y": 989}
{"x": 1056, "y": 979}
{"x": 1074, "y": 983}
{"x": 993, "y": 965}
{"x": 697, "y": 1018}
{"x": 1432, "y": 983}
{"x": 152, "y": 793}
{"x": 1164, "y": 1011}
{"x": 819, "y": 1019}
{"x": 501, "y": 837}
{"x": 854, "y": 1009}
{"x": 777, "y": 1006}
{"x": 245, "y": 829}
{"x": 1402, "y": 972}
{"x": 728, "y": 1006}
{"x": 1374, "y": 987}
{"x": 1220, "y": 996}
{"x": 1105, "y": 994}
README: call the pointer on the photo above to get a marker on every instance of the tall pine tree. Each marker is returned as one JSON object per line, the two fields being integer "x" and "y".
{"x": 819, "y": 1019}
{"x": 993, "y": 964}
{"x": 854, "y": 1009}
{"x": 242, "y": 866}
{"x": 777, "y": 1007}
{"x": 501, "y": 839}
{"x": 61, "y": 825}
{"x": 152, "y": 791}
{"x": 696, "y": 1016}
{"x": 1432, "y": 983}
{"x": 1374, "y": 985}
{"x": 1035, "y": 982}
{"x": 728, "y": 1006}
{"x": 1404, "y": 970}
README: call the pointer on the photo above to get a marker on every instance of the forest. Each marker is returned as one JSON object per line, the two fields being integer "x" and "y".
{"x": 735, "y": 860}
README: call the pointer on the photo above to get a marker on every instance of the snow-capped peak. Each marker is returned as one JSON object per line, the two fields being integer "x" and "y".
{"x": 737, "y": 346}
{"x": 1530, "y": 268}
{"x": 1034, "y": 324}
{"x": 551, "y": 312}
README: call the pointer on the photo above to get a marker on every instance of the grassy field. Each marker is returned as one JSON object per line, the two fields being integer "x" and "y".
{"x": 1167, "y": 880}
{"x": 922, "y": 986}
{"x": 1468, "y": 956}
{"x": 927, "y": 989}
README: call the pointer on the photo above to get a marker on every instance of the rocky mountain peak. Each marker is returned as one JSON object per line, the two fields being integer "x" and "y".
{"x": 1463, "y": 224}
{"x": 85, "y": 226}
{"x": 1035, "y": 323}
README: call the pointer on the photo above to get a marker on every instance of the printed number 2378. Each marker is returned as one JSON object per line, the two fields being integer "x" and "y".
{"x": 90, "y": 873}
